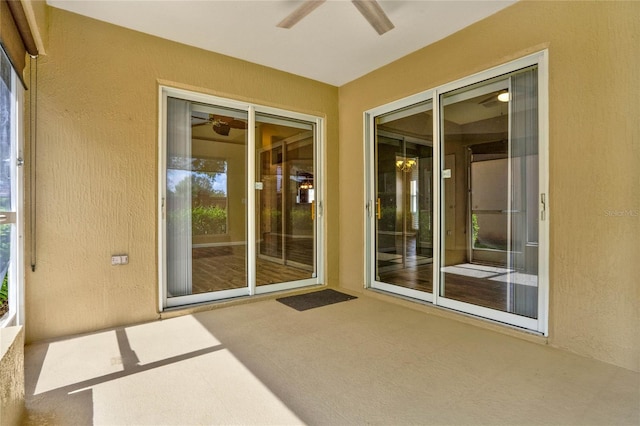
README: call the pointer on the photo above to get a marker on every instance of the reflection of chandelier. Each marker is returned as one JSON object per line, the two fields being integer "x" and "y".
{"x": 406, "y": 165}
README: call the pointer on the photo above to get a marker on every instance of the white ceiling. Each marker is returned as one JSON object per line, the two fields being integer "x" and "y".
{"x": 334, "y": 44}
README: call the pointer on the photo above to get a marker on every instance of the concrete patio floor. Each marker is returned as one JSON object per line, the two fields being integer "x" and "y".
{"x": 365, "y": 361}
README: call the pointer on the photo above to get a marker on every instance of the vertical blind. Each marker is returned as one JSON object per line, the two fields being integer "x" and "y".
{"x": 524, "y": 191}
{"x": 179, "y": 256}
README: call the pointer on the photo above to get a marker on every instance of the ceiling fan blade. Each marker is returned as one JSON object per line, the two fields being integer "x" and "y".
{"x": 235, "y": 124}
{"x": 373, "y": 13}
{"x": 303, "y": 10}
{"x": 238, "y": 124}
{"x": 489, "y": 102}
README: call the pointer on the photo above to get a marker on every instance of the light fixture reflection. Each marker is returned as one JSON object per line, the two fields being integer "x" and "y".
{"x": 504, "y": 97}
{"x": 406, "y": 165}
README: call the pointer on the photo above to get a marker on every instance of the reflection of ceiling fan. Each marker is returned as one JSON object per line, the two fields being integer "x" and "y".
{"x": 220, "y": 124}
{"x": 495, "y": 99}
{"x": 370, "y": 9}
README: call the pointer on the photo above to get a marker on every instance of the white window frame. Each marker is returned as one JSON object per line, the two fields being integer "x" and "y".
{"x": 16, "y": 314}
{"x": 251, "y": 109}
{"x": 539, "y": 325}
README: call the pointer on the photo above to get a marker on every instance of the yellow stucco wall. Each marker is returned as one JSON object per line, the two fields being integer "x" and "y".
{"x": 97, "y": 165}
{"x": 594, "y": 156}
{"x": 97, "y": 161}
{"x": 11, "y": 375}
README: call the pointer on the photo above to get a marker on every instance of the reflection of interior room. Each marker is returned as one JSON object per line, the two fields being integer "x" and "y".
{"x": 490, "y": 242}
{"x": 218, "y": 253}
{"x": 284, "y": 203}
{"x": 490, "y": 239}
{"x": 404, "y": 205}
{"x": 480, "y": 121}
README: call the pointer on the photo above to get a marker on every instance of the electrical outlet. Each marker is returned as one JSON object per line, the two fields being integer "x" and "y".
{"x": 119, "y": 259}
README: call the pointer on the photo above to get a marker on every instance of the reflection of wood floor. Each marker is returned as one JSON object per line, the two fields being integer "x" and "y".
{"x": 418, "y": 278}
{"x": 478, "y": 291}
{"x": 224, "y": 268}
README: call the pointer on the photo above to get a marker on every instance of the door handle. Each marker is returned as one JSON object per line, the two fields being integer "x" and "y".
{"x": 7, "y": 217}
{"x": 313, "y": 210}
{"x": 378, "y": 209}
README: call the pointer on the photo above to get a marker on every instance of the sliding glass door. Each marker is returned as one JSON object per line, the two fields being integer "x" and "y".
{"x": 457, "y": 211}
{"x": 404, "y": 200}
{"x": 205, "y": 191}
{"x": 494, "y": 126}
{"x": 238, "y": 190}
{"x": 285, "y": 200}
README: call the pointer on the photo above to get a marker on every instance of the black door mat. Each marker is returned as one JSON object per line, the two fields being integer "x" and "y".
{"x": 302, "y": 302}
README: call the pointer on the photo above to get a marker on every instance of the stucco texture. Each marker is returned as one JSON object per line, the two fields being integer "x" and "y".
{"x": 11, "y": 375}
{"x": 97, "y": 165}
{"x": 594, "y": 151}
{"x": 97, "y": 161}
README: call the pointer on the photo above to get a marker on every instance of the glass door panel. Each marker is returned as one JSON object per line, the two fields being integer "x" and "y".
{"x": 490, "y": 219}
{"x": 285, "y": 200}
{"x": 238, "y": 199}
{"x": 475, "y": 239}
{"x": 205, "y": 200}
{"x": 404, "y": 201}
{"x": 11, "y": 281}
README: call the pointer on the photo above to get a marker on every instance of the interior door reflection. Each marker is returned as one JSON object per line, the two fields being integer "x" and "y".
{"x": 286, "y": 203}
{"x": 404, "y": 202}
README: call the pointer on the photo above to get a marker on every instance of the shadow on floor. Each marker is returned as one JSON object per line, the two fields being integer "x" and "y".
{"x": 358, "y": 362}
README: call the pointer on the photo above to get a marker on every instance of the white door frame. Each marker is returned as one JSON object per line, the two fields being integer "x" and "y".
{"x": 539, "y": 325}
{"x": 371, "y": 196}
{"x": 251, "y": 289}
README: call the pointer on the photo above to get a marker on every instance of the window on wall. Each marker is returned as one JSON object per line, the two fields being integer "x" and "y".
{"x": 10, "y": 195}
{"x": 481, "y": 141}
